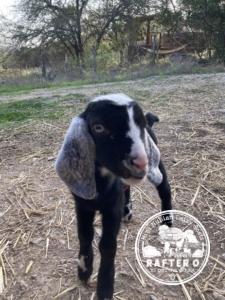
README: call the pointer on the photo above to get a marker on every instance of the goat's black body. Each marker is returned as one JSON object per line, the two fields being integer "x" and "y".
{"x": 114, "y": 203}
{"x": 109, "y": 147}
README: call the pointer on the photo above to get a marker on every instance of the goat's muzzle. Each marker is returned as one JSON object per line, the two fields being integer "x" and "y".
{"x": 137, "y": 168}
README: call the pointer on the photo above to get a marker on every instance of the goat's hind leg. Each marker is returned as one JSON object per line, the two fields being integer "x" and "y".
{"x": 164, "y": 192}
{"x": 85, "y": 234}
{"x": 163, "y": 189}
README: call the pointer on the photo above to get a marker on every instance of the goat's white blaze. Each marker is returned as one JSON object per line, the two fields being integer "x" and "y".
{"x": 138, "y": 147}
{"x": 118, "y": 99}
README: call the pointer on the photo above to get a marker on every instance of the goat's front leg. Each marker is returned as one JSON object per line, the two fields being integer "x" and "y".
{"x": 127, "y": 212}
{"x": 107, "y": 246}
{"x": 85, "y": 234}
{"x": 164, "y": 192}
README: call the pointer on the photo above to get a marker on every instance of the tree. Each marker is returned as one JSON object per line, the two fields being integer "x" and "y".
{"x": 207, "y": 16}
{"x": 74, "y": 23}
{"x": 48, "y": 21}
{"x": 100, "y": 21}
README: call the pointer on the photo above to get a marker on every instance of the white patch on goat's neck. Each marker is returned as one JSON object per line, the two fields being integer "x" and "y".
{"x": 138, "y": 147}
{"x": 119, "y": 99}
{"x": 105, "y": 172}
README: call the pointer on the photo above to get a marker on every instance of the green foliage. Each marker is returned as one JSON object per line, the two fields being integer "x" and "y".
{"x": 75, "y": 38}
{"x": 172, "y": 21}
{"x": 207, "y": 16}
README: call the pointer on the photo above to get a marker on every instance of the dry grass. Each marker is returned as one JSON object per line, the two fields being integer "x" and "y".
{"x": 38, "y": 242}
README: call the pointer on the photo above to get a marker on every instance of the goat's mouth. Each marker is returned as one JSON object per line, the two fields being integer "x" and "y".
{"x": 133, "y": 171}
{"x": 138, "y": 175}
{"x": 132, "y": 175}
{"x": 129, "y": 174}
{"x": 133, "y": 180}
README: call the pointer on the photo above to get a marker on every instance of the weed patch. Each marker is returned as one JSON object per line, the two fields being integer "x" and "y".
{"x": 29, "y": 109}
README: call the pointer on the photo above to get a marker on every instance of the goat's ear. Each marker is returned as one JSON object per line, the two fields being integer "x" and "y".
{"x": 75, "y": 163}
{"x": 151, "y": 119}
{"x": 154, "y": 174}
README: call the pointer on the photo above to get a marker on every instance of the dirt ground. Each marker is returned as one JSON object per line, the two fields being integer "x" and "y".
{"x": 38, "y": 241}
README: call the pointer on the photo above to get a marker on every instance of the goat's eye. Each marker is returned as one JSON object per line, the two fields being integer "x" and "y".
{"x": 98, "y": 128}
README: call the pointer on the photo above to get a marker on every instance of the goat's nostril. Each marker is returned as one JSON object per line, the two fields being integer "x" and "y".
{"x": 140, "y": 162}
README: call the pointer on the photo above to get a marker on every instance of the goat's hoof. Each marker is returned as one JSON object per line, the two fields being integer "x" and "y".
{"x": 85, "y": 267}
{"x": 127, "y": 218}
{"x": 84, "y": 275}
{"x": 104, "y": 294}
{"x": 99, "y": 298}
{"x": 167, "y": 219}
{"x": 168, "y": 223}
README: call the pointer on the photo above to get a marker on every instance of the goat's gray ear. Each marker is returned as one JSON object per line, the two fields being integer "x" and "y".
{"x": 154, "y": 174}
{"x": 75, "y": 163}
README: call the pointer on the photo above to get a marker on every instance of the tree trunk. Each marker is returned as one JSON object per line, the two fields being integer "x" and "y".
{"x": 121, "y": 57}
{"x": 94, "y": 53}
{"x": 79, "y": 61}
{"x": 154, "y": 48}
{"x": 148, "y": 35}
{"x": 95, "y": 49}
{"x": 66, "y": 65}
{"x": 43, "y": 63}
{"x": 133, "y": 29}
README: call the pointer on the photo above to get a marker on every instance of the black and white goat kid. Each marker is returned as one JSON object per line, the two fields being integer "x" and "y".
{"x": 108, "y": 148}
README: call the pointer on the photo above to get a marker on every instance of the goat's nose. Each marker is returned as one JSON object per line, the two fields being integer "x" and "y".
{"x": 140, "y": 162}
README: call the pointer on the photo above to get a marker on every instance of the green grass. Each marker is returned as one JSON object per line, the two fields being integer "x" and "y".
{"x": 17, "y": 88}
{"x": 10, "y": 89}
{"x": 7, "y": 89}
{"x": 131, "y": 73}
{"x": 72, "y": 97}
{"x": 143, "y": 95}
{"x": 23, "y": 88}
{"x": 29, "y": 109}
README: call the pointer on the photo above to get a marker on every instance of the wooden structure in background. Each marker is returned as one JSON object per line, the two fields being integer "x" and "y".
{"x": 166, "y": 43}
{"x": 143, "y": 40}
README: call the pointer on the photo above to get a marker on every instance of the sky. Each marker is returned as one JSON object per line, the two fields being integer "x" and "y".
{"x": 6, "y": 7}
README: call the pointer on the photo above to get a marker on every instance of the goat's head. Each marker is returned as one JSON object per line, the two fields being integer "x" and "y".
{"x": 112, "y": 133}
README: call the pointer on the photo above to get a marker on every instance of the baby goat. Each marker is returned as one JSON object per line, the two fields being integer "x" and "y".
{"x": 107, "y": 148}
